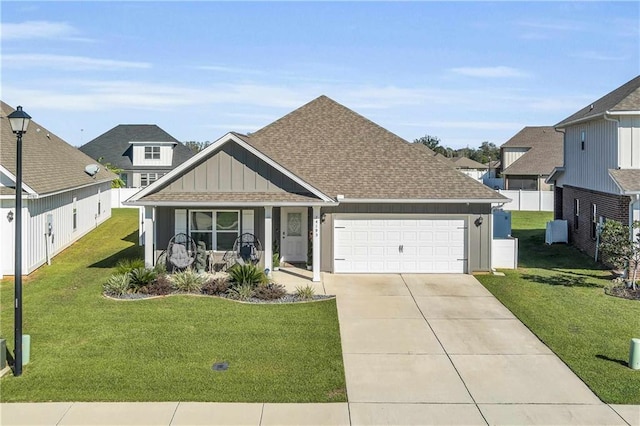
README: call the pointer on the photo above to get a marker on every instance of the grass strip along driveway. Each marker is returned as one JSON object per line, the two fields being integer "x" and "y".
{"x": 557, "y": 292}
{"x": 89, "y": 348}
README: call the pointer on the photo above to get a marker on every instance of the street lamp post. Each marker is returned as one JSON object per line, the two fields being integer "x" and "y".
{"x": 19, "y": 122}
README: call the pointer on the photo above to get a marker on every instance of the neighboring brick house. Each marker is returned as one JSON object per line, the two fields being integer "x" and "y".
{"x": 600, "y": 177}
{"x": 529, "y": 157}
{"x": 144, "y": 152}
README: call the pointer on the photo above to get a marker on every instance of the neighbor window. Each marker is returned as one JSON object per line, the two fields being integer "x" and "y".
{"x": 148, "y": 178}
{"x": 75, "y": 214}
{"x": 576, "y": 213}
{"x": 218, "y": 229}
{"x": 151, "y": 152}
{"x": 583, "y": 137}
{"x": 124, "y": 177}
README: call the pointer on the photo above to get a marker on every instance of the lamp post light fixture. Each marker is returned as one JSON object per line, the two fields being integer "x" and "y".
{"x": 19, "y": 122}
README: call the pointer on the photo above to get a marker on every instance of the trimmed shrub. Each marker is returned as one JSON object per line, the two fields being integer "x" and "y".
{"x": 141, "y": 277}
{"x": 241, "y": 291}
{"x": 160, "y": 287}
{"x": 188, "y": 281}
{"x": 125, "y": 266}
{"x": 305, "y": 293}
{"x": 247, "y": 274}
{"x": 117, "y": 285}
{"x": 270, "y": 291}
{"x": 217, "y": 285}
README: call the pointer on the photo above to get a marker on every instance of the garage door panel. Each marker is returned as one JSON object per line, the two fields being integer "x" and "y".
{"x": 399, "y": 245}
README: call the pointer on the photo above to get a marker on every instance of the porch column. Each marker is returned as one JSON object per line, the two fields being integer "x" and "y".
{"x": 268, "y": 238}
{"x": 149, "y": 219}
{"x": 316, "y": 243}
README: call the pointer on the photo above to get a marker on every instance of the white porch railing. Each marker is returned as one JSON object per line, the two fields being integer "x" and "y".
{"x": 539, "y": 201}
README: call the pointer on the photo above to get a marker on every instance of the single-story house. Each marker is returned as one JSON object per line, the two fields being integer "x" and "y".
{"x": 144, "y": 152}
{"x": 530, "y": 156}
{"x": 60, "y": 201}
{"x": 326, "y": 186}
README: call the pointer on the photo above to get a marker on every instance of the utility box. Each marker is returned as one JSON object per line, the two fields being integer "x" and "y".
{"x": 501, "y": 224}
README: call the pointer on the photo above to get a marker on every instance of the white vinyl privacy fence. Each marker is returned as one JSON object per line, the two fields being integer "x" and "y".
{"x": 120, "y": 195}
{"x": 538, "y": 201}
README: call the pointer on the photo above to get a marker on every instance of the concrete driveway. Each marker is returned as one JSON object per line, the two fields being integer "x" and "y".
{"x": 440, "y": 349}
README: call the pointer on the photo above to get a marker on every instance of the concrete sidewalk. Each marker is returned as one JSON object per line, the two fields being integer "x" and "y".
{"x": 417, "y": 349}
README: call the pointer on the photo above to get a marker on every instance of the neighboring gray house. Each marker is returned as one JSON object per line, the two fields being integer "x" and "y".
{"x": 529, "y": 157}
{"x": 367, "y": 200}
{"x": 61, "y": 202}
{"x": 600, "y": 177}
{"x": 144, "y": 152}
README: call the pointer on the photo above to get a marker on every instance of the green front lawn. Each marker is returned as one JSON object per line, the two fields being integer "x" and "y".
{"x": 85, "y": 347}
{"x": 558, "y": 293}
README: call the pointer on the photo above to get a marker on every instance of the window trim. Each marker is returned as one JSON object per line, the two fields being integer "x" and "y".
{"x": 213, "y": 231}
{"x": 147, "y": 178}
{"x": 153, "y": 153}
{"x": 594, "y": 221}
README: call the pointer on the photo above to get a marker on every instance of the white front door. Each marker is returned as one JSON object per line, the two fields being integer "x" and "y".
{"x": 293, "y": 234}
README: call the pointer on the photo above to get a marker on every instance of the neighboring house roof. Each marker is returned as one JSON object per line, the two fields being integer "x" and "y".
{"x": 623, "y": 99}
{"x": 628, "y": 180}
{"x": 467, "y": 163}
{"x": 493, "y": 164}
{"x": 544, "y": 154}
{"x": 114, "y": 146}
{"x": 49, "y": 164}
{"x": 341, "y": 152}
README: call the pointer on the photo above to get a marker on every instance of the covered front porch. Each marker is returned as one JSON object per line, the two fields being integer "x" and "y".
{"x": 288, "y": 232}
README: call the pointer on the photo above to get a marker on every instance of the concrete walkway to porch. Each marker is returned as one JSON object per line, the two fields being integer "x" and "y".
{"x": 417, "y": 349}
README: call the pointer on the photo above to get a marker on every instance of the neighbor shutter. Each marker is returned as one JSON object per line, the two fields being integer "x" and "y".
{"x": 181, "y": 221}
{"x": 247, "y": 222}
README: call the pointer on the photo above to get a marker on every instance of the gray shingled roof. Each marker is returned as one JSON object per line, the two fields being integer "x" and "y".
{"x": 340, "y": 152}
{"x": 624, "y": 98}
{"x": 627, "y": 179}
{"x": 545, "y": 152}
{"x": 49, "y": 164}
{"x": 114, "y": 147}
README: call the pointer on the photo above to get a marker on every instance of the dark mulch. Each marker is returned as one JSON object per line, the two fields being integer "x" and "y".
{"x": 624, "y": 292}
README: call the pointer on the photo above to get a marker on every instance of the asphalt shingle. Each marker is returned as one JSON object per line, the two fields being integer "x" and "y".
{"x": 49, "y": 164}
{"x": 113, "y": 146}
{"x": 545, "y": 152}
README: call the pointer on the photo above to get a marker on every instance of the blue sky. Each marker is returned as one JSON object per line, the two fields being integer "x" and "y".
{"x": 466, "y": 72}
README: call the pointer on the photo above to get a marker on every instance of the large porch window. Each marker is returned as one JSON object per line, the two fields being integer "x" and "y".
{"x": 217, "y": 228}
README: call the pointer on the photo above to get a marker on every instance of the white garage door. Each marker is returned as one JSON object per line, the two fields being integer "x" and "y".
{"x": 395, "y": 245}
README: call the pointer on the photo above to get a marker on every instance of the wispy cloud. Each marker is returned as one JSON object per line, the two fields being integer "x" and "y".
{"x": 64, "y": 62}
{"x": 597, "y": 56}
{"x": 490, "y": 72}
{"x": 552, "y": 25}
{"x": 30, "y": 30}
{"x": 477, "y": 125}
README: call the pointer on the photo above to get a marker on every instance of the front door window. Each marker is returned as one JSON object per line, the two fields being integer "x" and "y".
{"x": 294, "y": 224}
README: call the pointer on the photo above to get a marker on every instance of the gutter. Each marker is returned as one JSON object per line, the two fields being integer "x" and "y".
{"x": 227, "y": 203}
{"x": 425, "y": 200}
{"x": 593, "y": 117}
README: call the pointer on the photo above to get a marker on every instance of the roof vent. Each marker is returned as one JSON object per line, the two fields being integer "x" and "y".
{"x": 591, "y": 107}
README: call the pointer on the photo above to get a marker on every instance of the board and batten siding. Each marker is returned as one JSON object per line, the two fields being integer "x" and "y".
{"x": 35, "y": 217}
{"x": 510, "y": 155}
{"x": 233, "y": 169}
{"x": 589, "y": 168}
{"x": 166, "y": 155}
{"x": 629, "y": 142}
